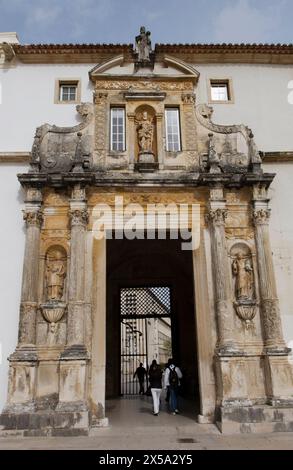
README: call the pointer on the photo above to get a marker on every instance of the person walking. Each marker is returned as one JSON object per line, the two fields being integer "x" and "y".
{"x": 140, "y": 373}
{"x": 155, "y": 377}
{"x": 167, "y": 398}
{"x": 172, "y": 378}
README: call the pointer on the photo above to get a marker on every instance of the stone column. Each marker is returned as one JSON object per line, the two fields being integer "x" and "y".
{"x": 273, "y": 336}
{"x": 74, "y": 359}
{"x": 30, "y": 277}
{"x": 76, "y": 290}
{"x": 278, "y": 370}
{"x": 23, "y": 362}
{"x": 221, "y": 272}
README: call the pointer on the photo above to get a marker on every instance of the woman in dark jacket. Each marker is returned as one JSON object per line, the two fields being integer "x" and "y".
{"x": 155, "y": 377}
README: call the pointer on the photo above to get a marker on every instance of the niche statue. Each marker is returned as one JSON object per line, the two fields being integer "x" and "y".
{"x": 244, "y": 283}
{"x": 55, "y": 275}
{"x": 145, "y": 133}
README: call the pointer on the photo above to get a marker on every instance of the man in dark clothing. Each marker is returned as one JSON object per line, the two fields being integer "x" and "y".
{"x": 140, "y": 373}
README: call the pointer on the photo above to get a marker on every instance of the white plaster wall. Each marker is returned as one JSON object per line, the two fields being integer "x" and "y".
{"x": 11, "y": 259}
{"x": 281, "y": 232}
{"x": 28, "y": 101}
{"x": 260, "y": 91}
{"x": 261, "y": 101}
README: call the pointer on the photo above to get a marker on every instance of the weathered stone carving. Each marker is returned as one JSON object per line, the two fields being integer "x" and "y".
{"x": 271, "y": 320}
{"x": 145, "y": 132}
{"x": 27, "y": 325}
{"x": 143, "y": 45}
{"x": 7, "y": 53}
{"x": 231, "y": 160}
{"x": 204, "y": 115}
{"x": 156, "y": 85}
{"x": 79, "y": 217}
{"x": 188, "y": 98}
{"x": 217, "y": 216}
{"x": 244, "y": 285}
{"x": 56, "y": 266}
{"x": 55, "y": 273}
{"x": 213, "y": 158}
{"x": 243, "y": 272}
{"x": 54, "y": 148}
{"x": 33, "y": 217}
{"x": 261, "y": 216}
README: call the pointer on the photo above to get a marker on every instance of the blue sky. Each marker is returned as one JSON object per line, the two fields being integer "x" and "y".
{"x": 170, "y": 21}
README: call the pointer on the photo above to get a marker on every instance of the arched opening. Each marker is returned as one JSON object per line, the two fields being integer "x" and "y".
{"x": 151, "y": 266}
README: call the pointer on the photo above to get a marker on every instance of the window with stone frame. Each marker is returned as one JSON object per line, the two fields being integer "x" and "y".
{"x": 117, "y": 131}
{"x": 67, "y": 91}
{"x": 172, "y": 124}
{"x": 220, "y": 91}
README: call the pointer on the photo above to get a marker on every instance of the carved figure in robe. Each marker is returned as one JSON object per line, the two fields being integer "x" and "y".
{"x": 55, "y": 275}
{"x": 243, "y": 272}
{"x": 143, "y": 45}
{"x": 145, "y": 133}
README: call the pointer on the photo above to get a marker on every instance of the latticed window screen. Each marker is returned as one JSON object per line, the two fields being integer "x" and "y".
{"x": 141, "y": 301}
{"x": 141, "y": 337}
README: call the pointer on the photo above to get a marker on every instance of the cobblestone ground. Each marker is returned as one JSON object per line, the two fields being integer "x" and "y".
{"x": 132, "y": 426}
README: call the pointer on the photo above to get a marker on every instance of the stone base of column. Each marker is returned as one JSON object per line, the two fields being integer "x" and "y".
{"x": 45, "y": 423}
{"x": 21, "y": 382}
{"x": 279, "y": 380}
{"x": 238, "y": 419}
{"x": 73, "y": 385}
{"x": 254, "y": 394}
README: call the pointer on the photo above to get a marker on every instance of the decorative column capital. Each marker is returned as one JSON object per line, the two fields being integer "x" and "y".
{"x": 100, "y": 98}
{"x": 261, "y": 216}
{"x": 217, "y": 216}
{"x": 33, "y": 218}
{"x": 79, "y": 217}
{"x": 188, "y": 98}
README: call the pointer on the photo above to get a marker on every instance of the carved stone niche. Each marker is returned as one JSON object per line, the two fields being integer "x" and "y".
{"x": 245, "y": 303}
{"x": 54, "y": 306}
{"x": 146, "y": 139}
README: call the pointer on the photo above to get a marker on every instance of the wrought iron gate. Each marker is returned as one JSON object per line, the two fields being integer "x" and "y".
{"x": 144, "y": 312}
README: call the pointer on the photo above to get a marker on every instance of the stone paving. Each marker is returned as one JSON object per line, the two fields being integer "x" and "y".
{"x": 132, "y": 426}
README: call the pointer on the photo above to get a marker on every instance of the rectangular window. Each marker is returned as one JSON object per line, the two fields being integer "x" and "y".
{"x": 67, "y": 91}
{"x": 118, "y": 129}
{"x": 220, "y": 90}
{"x": 173, "y": 143}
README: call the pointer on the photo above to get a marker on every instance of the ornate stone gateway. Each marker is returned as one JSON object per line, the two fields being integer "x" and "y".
{"x": 57, "y": 372}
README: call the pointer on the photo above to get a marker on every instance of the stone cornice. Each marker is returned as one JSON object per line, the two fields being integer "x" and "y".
{"x": 168, "y": 180}
{"x": 15, "y": 157}
{"x": 276, "y": 157}
{"x": 198, "y": 53}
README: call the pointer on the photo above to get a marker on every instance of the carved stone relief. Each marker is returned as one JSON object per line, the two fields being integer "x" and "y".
{"x": 55, "y": 273}
{"x": 54, "y": 148}
{"x": 244, "y": 283}
{"x": 145, "y": 132}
